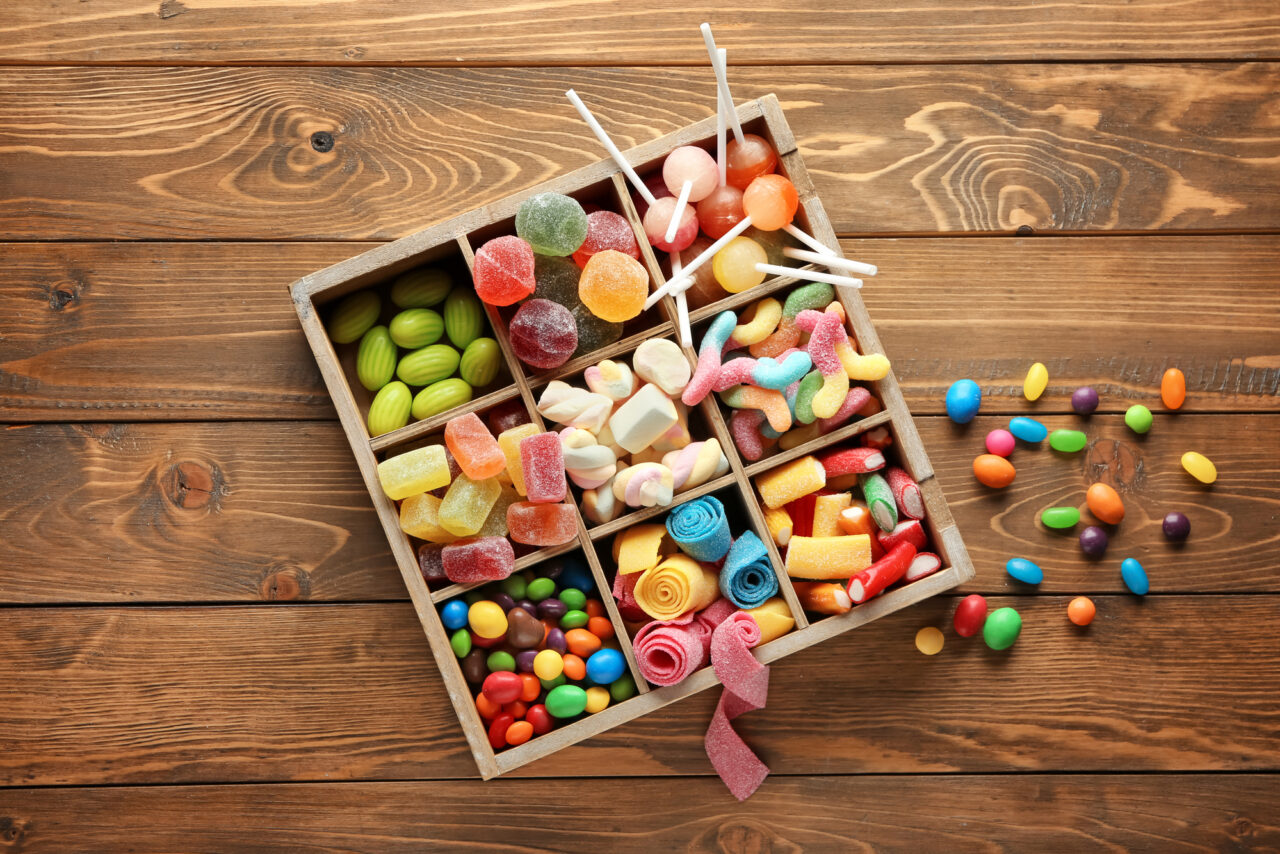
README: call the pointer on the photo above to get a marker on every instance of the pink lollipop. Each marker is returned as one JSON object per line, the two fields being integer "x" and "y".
{"x": 690, "y": 164}
{"x": 658, "y": 218}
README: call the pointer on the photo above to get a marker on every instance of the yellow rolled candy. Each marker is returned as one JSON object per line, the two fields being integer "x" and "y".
{"x": 826, "y": 514}
{"x": 825, "y": 558}
{"x": 874, "y": 366}
{"x": 639, "y": 548}
{"x": 677, "y": 585}
{"x": 774, "y": 619}
{"x": 791, "y": 481}
{"x": 765, "y": 316}
{"x": 779, "y": 523}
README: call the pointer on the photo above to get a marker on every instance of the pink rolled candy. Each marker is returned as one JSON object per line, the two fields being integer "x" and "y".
{"x": 669, "y": 652}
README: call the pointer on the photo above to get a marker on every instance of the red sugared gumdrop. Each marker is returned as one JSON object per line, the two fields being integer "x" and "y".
{"x": 607, "y": 230}
{"x": 543, "y": 334}
{"x": 503, "y": 270}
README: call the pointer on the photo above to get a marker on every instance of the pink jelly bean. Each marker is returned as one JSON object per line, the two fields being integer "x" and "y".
{"x": 1001, "y": 442}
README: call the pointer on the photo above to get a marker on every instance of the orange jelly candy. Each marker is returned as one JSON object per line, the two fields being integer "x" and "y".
{"x": 1105, "y": 503}
{"x": 574, "y": 667}
{"x": 600, "y": 627}
{"x": 581, "y": 643}
{"x": 993, "y": 471}
{"x": 1173, "y": 388}
{"x": 519, "y": 732}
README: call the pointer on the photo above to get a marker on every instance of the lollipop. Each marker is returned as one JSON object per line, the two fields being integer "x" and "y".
{"x": 747, "y": 159}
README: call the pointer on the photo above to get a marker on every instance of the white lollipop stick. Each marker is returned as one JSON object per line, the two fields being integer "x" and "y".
{"x": 830, "y": 261}
{"x": 722, "y": 162}
{"x": 682, "y": 302}
{"x": 722, "y": 81}
{"x": 811, "y": 275}
{"x": 676, "y": 215}
{"x": 812, "y": 243}
{"x": 707, "y": 255}
{"x": 610, "y": 147}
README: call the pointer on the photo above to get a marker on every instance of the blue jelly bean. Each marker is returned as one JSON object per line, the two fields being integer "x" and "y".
{"x": 963, "y": 400}
{"x": 1028, "y": 429}
{"x": 576, "y": 574}
{"x": 1024, "y": 570}
{"x": 1135, "y": 577}
{"x": 605, "y": 666}
{"x": 454, "y": 614}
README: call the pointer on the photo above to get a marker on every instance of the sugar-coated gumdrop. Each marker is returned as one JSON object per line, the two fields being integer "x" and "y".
{"x": 503, "y": 270}
{"x": 720, "y": 211}
{"x": 478, "y": 559}
{"x": 692, "y": 164}
{"x": 474, "y": 447}
{"x": 747, "y": 160}
{"x": 607, "y": 230}
{"x": 542, "y": 463}
{"x": 735, "y": 265}
{"x": 556, "y": 279}
{"x": 542, "y": 524}
{"x": 554, "y": 224}
{"x": 467, "y": 504}
{"x": 771, "y": 202}
{"x": 543, "y": 334}
{"x": 593, "y": 332}
{"x": 658, "y": 218}
{"x": 613, "y": 286}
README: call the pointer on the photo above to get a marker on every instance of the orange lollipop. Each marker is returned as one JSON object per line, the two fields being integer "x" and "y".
{"x": 771, "y": 202}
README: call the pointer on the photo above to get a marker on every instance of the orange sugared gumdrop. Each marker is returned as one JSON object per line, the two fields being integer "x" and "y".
{"x": 613, "y": 286}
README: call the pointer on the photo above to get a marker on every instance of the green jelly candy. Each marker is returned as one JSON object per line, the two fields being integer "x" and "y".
{"x": 816, "y": 296}
{"x": 623, "y": 689}
{"x": 354, "y": 316}
{"x": 429, "y": 365}
{"x": 573, "y": 598}
{"x": 421, "y": 288}
{"x": 1138, "y": 417}
{"x": 557, "y": 280}
{"x": 501, "y": 661}
{"x": 552, "y": 684}
{"x": 480, "y": 362}
{"x": 376, "y": 359}
{"x": 573, "y": 620}
{"x": 552, "y": 223}
{"x": 566, "y": 701}
{"x": 461, "y": 642}
{"x": 1060, "y": 517}
{"x": 416, "y": 327}
{"x": 809, "y": 387}
{"x": 1002, "y": 628}
{"x": 593, "y": 332}
{"x": 1068, "y": 441}
{"x": 539, "y": 589}
{"x": 463, "y": 317}
{"x": 514, "y": 586}
{"x": 390, "y": 408}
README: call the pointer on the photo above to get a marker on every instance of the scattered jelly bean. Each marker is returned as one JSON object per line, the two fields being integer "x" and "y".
{"x": 574, "y": 667}
{"x": 1028, "y": 429}
{"x": 574, "y": 599}
{"x": 566, "y": 701}
{"x": 1000, "y": 442}
{"x": 623, "y": 688}
{"x": 1134, "y": 576}
{"x": 1093, "y": 541}
{"x": 454, "y": 614}
{"x": 1081, "y": 611}
{"x": 501, "y": 660}
{"x": 1037, "y": 379}
{"x": 555, "y": 641}
{"x": 502, "y": 687}
{"x": 971, "y": 613}
{"x": 552, "y": 608}
{"x": 1176, "y": 526}
{"x": 1068, "y": 441}
{"x": 1173, "y": 388}
{"x": 1024, "y": 570}
{"x": 1104, "y": 503}
{"x": 993, "y": 471}
{"x": 1138, "y": 417}
{"x": 573, "y": 620}
{"x": 929, "y": 640}
{"x": 1200, "y": 467}
{"x": 1060, "y": 518}
{"x": 581, "y": 643}
{"x": 1084, "y": 400}
{"x": 964, "y": 398}
{"x": 1002, "y": 628}
{"x": 487, "y": 619}
{"x": 548, "y": 664}
{"x": 605, "y": 666}
{"x": 540, "y": 588}
{"x": 461, "y": 642}
{"x": 600, "y": 627}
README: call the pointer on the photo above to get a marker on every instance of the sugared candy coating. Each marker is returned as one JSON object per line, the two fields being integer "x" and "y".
{"x": 1002, "y": 628}
{"x": 747, "y": 160}
{"x": 771, "y": 202}
{"x": 553, "y": 224}
{"x": 474, "y": 447}
{"x": 1000, "y": 442}
{"x": 606, "y": 230}
{"x": 735, "y": 265}
{"x": 543, "y": 334}
{"x": 541, "y": 524}
{"x": 1081, "y": 611}
{"x": 964, "y": 398}
{"x": 613, "y": 286}
{"x": 1084, "y": 400}
{"x": 1200, "y": 467}
{"x": 1176, "y": 526}
{"x": 1138, "y": 417}
{"x": 503, "y": 270}
{"x": 1093, "y": 541}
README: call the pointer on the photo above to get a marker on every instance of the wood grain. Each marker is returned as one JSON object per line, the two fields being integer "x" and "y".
{"x": 290, "y": 692}
{"x": 1161, "y": 813}
{"x": 337, "y": 32}
{"x": 274, "y": 511}
{"x": 181, "y": 153}
{"x": 163, "y": 331}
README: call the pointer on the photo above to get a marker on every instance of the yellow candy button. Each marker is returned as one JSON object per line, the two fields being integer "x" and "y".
{"x": 929, "y": 640}
{"x": 1200, "y": 467}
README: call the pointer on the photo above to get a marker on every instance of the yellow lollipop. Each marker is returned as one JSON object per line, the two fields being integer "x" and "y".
{"x": 734, "y": 266}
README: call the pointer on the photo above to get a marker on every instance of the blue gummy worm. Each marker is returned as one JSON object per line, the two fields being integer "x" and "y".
{"x": 770, "y": 373}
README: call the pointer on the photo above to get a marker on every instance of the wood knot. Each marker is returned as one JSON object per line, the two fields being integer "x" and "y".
{"x": 285, "y": 583}
{"x": 743, "y": 835}
{"x": 1117, "y": 464}
{"x": 322, "y": 141}
{"x": 1241, "y": 827}
{"x": 192, "y": 485}
{"x": 170, "y": 9}
{"x": 63, "y": 294}
{"x": 12, "y": 832}
{"x": 1025, "y": 231}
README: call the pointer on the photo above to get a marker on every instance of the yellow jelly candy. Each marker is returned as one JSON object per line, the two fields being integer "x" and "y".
{"x": 828, "y": 557}
{"x": 419, "y": 470}
{"x": 613, "y": 286}
{"x": 734, "y": 266}
{"x": 929, "y": 640}
{"x": 826, "y": 514}
{"x": 467, "y": 504}
{"x": 791, "y": 481}
{"x": 639, "y": 548}
{"x": 1037, "y": 379}
{"x": 509, "y": 441}
{"x": 1200, "y": 467}
{"x": 420, "y": 517}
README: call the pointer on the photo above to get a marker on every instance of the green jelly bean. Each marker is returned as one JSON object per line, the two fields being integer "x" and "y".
{"x": 552, "y": 684}
{"x": 1138, "y": 417}
{"x": 1060, "y": 517}
{"x": 515, "y": 586}
{"x": 1068, "y": 441}
{"x": 566, "y": 701}
{"x": 461, "y": 642}
{"x": 500, "y": 660}
{"x": 573, "y": 598}
{"x": 539, "y": 589}
{"x": 816, "y": 296}
{"x": 809, "y": 387}
{"x": 1002, "y": 628}
{"x": 623, "y": 689}
{"x": 471, "y": 597}
{"x": 573, "y": 619}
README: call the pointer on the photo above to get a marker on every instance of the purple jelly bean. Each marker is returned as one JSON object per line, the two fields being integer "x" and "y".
{"x": 1084, "y": 400}
{"x": 529, "y": 606}
{"x": 524, "y": 660}
{"x": 555, "y": 640}
{"x": 552, "y": 609}
{"x": 1176, "y": 526}
{"x": 1093, "y": 541}
{"x": 504, "y": 601}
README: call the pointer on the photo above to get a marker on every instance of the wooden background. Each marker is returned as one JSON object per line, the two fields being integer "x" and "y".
{"x": 204, "y": 643}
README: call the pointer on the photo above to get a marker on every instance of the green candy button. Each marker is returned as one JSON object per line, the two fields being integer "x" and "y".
{"x": 1138, "y": 417}
{"x": 539, "y": 589}
{"x": 461, "y": 642}
{"x": 1068, "y": 441}
{"x": 573, "y": 598}
{"x": 1060, "y": 517}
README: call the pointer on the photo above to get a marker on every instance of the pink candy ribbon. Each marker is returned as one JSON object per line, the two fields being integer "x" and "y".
{"x": 746, "y": 688}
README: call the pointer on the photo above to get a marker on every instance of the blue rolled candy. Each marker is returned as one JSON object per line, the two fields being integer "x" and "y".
{"x": 747, "y": 578}
{"x": 576, "y": 574}
{"x": 1028, "y": 429}
{"x": 1134, "y": 576}
{"x": 700, "y": 529}
{"x": 605, "y": 666}
{"x": 1024, "y": 570}
{"x": 964, "y": 398}
{"x": 454, "y": 614}
{"x": 770, "y": 373}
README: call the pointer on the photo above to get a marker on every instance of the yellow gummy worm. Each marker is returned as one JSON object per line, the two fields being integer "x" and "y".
{"x": 764, "y": 319}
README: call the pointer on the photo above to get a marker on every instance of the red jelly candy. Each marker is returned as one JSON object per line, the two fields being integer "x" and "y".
{"x": 431, "y": 562}
{"x": 971, "y": 613}
{"x": 504, "y": 416}
{"x": 607, "y": 230}
{"x": 542, "y": 461}
{"x": 540, "y": 719}
{"x": 503, "y": 270}
{"x": 543, "y": 334}
{"x": 479, "y": 559}
{"x": 541, "y": 524}
{"x": 502, "y": 687}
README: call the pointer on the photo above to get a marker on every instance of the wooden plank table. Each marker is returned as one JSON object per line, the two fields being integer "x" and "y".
{"x": 204, "y": 643}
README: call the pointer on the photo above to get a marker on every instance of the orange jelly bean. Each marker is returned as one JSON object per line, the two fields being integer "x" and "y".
{"x": 1105, "y": 504}
{"x": 530, "y": 687}
{"x": 516, "y": 709}
{"x": 993, "y": 471}
{"x": 487, "y": 708}
{"x": 1173, "y": 388}
{"x": 574, "y": 667}
{"x": 581, "y": 643}
{"x": 600, "y": 627}
{"x": 519, "y": 732}
{"x": 595, "y": 608}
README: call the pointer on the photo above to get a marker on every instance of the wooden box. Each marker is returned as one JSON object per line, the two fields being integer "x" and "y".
{"x": 454, "y": 242}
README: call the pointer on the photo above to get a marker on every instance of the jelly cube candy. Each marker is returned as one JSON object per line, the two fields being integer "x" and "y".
{"x": 510, "y": 441}
{"x": 542, "y": 460}
{"x": 541, "y": 524}
{"x": 420, "y": 517}
{"x": 474, "y": 447}
{"x": 419, "y": 470}
{"x": 543, "y": 334}
{"x": 431, "y": 562}
{"x": 607, "y": 230}
{"x": 495, "y": 524}
{"x": 791, "y": 481}
{"x": 506, "y": 415}
{"x": 467, "y": 504}
{"x": 613, "y": 286}
{"x": 554, "y": 224}
{"x": 503, "y": 270}
{"x": 478, "y": 559}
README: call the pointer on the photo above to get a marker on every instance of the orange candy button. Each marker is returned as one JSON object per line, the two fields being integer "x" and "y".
{"x": 1105, "y": 503}
{"x": 581, "y": 643}
{"x": 993, "y": 471}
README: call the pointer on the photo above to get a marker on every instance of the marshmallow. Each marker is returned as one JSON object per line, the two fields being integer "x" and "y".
{"x": 612, "y": 379}
{"x": 662, "y": 362}
{"x": 678, "y": 435}
{"x": 696, "y": 464}
{"x": 588, "y": 463}
{"x": 574, "y": 407}
{"x": 642, "y": 419}
{"x": 599, "y": 504}
{"x": 644, "y": 485}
